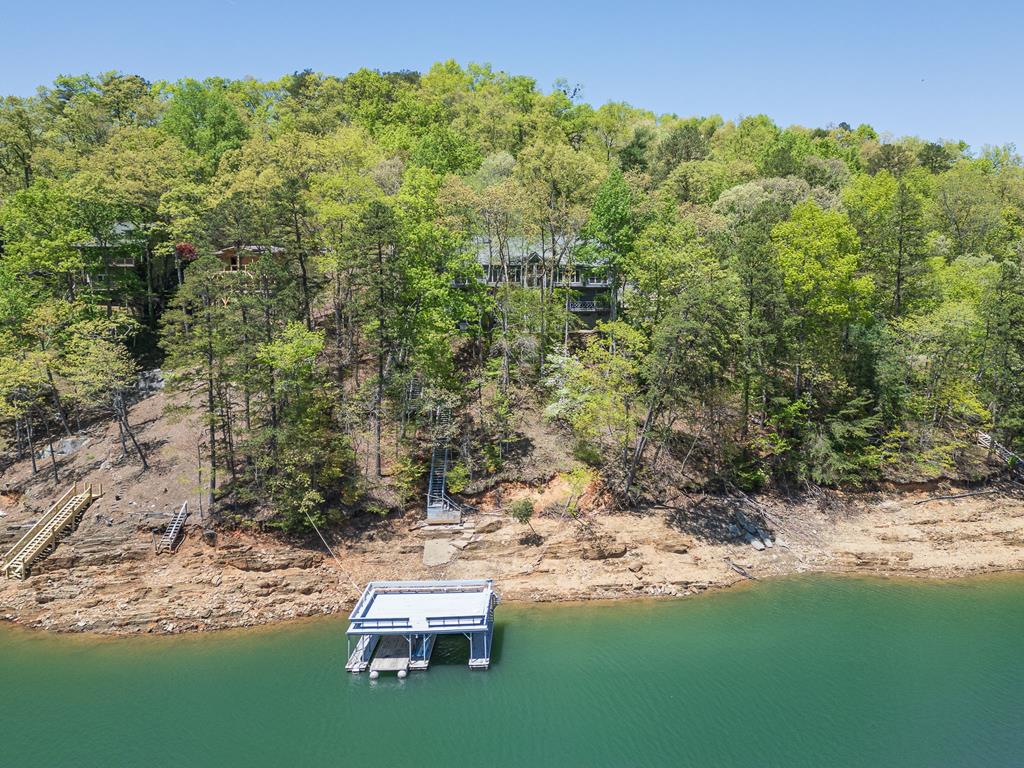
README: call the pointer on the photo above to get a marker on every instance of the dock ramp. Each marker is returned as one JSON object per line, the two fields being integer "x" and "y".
{"x": 42, "y": 538}
{"x": 393, "y": 655}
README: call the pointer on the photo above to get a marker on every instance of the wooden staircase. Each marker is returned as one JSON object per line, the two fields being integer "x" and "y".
{"x": 170, "y": 537}
{"x": 42, "y": 538}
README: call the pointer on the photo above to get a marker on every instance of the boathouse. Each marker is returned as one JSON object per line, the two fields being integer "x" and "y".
{"x": 395, "y": 623}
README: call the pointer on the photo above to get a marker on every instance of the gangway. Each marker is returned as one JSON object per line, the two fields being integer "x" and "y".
{"x": 42, "y": 537}
{"x": 170, "y": 537}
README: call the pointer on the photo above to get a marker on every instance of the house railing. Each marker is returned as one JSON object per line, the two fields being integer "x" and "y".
{"x": 586, "y": 307}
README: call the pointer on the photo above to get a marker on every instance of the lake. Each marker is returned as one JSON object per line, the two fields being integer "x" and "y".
{"x": 815, "y": 671}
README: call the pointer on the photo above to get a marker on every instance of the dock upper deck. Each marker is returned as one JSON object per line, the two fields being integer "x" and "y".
{"x": 434, "y": 607}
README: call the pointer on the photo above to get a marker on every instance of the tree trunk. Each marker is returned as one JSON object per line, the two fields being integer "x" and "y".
{"x": 379, "y": 396}
{"x": 306, "y": 304}
{"x": 211, "y": 412}
{"x": 53, "y": 456}
{"x": 108, "y": 284}
{"x": 31, "y": 443}
{"x": 122, "y": 413}
{"x": 653, "y": 410}
{"x": 229, "y": 440}
{"x": 57, "y": 402}
{"x": 639, "y": 447}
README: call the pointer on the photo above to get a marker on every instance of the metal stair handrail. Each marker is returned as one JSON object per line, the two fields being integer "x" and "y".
{"x": 438, "y": 499}
{"x": 170, "y": 536}
{"x": 1012, "y": 459}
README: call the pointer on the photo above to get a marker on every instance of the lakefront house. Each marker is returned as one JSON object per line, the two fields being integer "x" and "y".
{"x": 587, "y": 281}
{"x": 238, "y": 258}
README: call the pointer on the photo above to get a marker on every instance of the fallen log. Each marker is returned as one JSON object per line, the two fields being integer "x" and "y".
{"x": 956, "y": 496}
{"x": 739, "y": 569}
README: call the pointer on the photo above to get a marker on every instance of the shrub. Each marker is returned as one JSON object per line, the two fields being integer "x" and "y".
{"x": 407, "y": 474}
{"x": 522, "y": 511}
{"x": 457, "y": 478}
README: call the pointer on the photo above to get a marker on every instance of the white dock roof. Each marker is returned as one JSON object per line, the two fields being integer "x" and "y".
{"x": 435, "y": 607}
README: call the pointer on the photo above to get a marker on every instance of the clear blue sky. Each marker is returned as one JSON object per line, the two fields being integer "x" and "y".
{"x": 938, "y": 69}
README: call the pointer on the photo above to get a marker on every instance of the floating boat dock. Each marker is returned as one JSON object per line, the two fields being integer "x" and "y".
{"x": 395, "y": 623}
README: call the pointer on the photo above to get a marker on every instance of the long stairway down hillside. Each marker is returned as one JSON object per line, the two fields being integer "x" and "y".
{"x": 441, "y": 508}
{"x": 41, "y": 538}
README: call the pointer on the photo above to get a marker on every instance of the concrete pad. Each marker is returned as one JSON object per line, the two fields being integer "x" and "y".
{"x": 437, "y": 551}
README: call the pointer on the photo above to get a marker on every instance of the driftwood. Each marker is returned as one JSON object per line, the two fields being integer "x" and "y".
{"x": 769, "y": 521}
{"x": 956, "y": 496}
{"x": 739, "y": 569}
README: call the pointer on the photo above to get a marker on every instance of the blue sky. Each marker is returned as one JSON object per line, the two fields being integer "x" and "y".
{"x": 938, "y": 69}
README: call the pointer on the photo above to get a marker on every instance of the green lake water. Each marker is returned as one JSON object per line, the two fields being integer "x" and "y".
{"x": 799, "y": 672}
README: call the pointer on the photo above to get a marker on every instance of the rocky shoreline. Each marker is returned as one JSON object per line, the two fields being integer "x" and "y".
{"x": 241, "y": 580}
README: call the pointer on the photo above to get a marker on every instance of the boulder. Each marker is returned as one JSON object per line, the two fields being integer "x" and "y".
{"x": 602, "y": 548}
{"x": 675, "y": 543}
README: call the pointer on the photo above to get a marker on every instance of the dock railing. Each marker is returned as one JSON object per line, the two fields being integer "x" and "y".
{"x": 375, "y": 588}
{"x": 457, "y": 621}
{"x": 383, "y": 623}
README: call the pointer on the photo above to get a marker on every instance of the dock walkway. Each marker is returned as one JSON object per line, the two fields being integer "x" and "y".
{"x": 42, "y": 537}
{"x": 393, "y": 654}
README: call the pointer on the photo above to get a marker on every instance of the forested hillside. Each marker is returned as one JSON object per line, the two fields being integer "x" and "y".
{"x": 785, "y": 307}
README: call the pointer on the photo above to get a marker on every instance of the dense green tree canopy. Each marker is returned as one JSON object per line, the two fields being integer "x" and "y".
{"x": 805, "y": 305}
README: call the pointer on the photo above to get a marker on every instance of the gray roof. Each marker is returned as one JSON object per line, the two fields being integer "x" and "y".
{"x": 520, "y": 250}
{"x": 439, "y": 607}
{"x": 122, "y": 233}
{"x": 251, "y": 249}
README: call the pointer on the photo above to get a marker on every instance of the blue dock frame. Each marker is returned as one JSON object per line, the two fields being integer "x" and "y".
{"x": 395, "y": 623}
